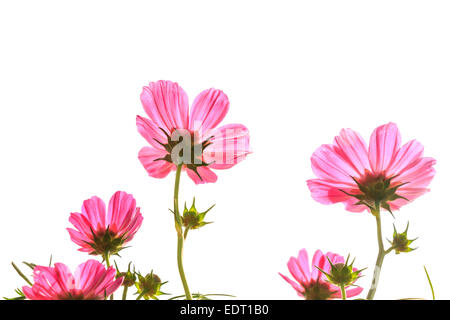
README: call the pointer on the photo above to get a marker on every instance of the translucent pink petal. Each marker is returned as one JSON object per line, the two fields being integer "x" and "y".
{"x": 94, "y": 210}
{"x": 80, "y": 239}
{"x": 300, "y": 290}
{"x": 406, "y": 156}
{"x": 151, "y": 132}
{"x": 82, "y": 223}
{"x": 166, "y": 104}
{"x": 155, "y": 169}
{"x": 329, "y": 192}
{"x": 353, "y": 291}
{"x": 419, "y": 174}
{"x": 300, "y": 275}
{"x": 384, "y": 144}
{"x": 230, "y": 144}
{"x": 328, "y": 164}
{"x": 318, "y": 261}
{"x": 94, "y": 280}
{"x": 351, "y": 147}
{"x": 121, "y": 209}
{"x": 64, "y": 277}
{"x": 206, "y": 174}
{"x": 410, "y": 194}
{"x": 30, "y": 294}
{"x": 299, "y": 267}
{"x": 208, "y": 110}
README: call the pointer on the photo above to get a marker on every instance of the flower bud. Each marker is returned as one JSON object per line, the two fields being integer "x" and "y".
{"x": 400, "y": 241}
{"x": 342, "y": 274}
{"x": 149, "y": 286}
{"x": 192, "y": 219}
{"x": 129, "y": 277}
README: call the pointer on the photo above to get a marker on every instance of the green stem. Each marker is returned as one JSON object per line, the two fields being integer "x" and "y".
{"x": 344, "y": 296}
{"x": 124, "y": 294}
{"x": 381, "y": 254}
{"x": 106, "y": 257}
{"x": 178, "y": 227}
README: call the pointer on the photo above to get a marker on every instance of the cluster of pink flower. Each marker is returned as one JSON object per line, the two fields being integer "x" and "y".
{"x": 384, "y": 176}
{"x": 180, "y": 141}
{"x": 379, "y": 178}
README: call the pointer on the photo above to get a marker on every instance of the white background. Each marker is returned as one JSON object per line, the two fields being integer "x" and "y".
{"x": 296, "y": 72}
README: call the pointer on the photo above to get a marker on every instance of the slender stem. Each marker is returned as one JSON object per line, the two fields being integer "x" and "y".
{"x": 343, "y": 293}
{"x": 106, "y": 257}
{"x": 140, "y": 296}
{"x": 381, "y": 254}
{"x": 124, "y": 294}
{"x": 178, "y": 227}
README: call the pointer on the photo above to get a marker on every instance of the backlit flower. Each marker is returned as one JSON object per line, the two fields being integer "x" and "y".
{"x": 91, "y": 281}
{"x": 312, "y": 284}
{"x": 99, "y": 232}
{"x": 385, "y": 174}
{"x": 191, "y": 139}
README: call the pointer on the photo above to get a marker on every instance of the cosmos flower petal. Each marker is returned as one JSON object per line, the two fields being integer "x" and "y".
{"x": 338, "y": 166}
{"x": 230, "y": 144}
{"x": 166, "y": 104}
{"x": 306, "y": 278}
{"x": 94, "y": 210}
{"x": 206, "y": 174}
{"x": 91, "y": 281}
{"x": 151, "y": 132}
{"x": 352, "y": 148}
{"x": 118, "y": 225}
{"x": 208, "y": 110}
{"x": 383, "y": 146}
{"x": 155, "y": 168}
{"x": 297, "y": 287}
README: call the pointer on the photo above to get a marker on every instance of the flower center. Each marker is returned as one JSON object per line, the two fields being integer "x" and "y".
{"x": 184, "y": 148}
{"x": 317, "y": 290}
{"x": 106, "y": 242}
{"x": 376, "y": 191}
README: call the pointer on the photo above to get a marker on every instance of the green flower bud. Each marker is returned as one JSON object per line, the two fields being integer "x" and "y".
{"x": 400, "y": 241}
{"x": 149, "y": 286}
{"x": 192, "y": 219}
{"x": 342, "y": 274}
{"x": 129, "y": 277}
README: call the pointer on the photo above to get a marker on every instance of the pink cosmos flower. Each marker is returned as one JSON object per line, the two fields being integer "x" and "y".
{"x": 91, "y": 281}
{"x": 386, "y": 173}
{"x": 312, "y": 284}
{"x": 100, "y": 233}
{"x": 206, "y": 147}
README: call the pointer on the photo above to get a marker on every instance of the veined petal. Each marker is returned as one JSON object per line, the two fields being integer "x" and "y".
{"x": 384, "y": 144}
{"x": 208, "y": 110}
{"x": 158, "y": 168}
{"x": 300, "y": 290}
{"x": 318, "y": 261}
{"x": 353, "y": 291}
{"x": 121, "y": 208}
{"x": 150, "y": 132}
{"x": 94, "y": 210}
{"x": 327, "y": 163}
{"x": 230, "y": 144}
{"x": 352, "y": 148}
{"x": 405, "y": 157}
{"x": 418, "y": 174}
{"x": 166, "y": 104}
{"x": 208, "y": 176}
